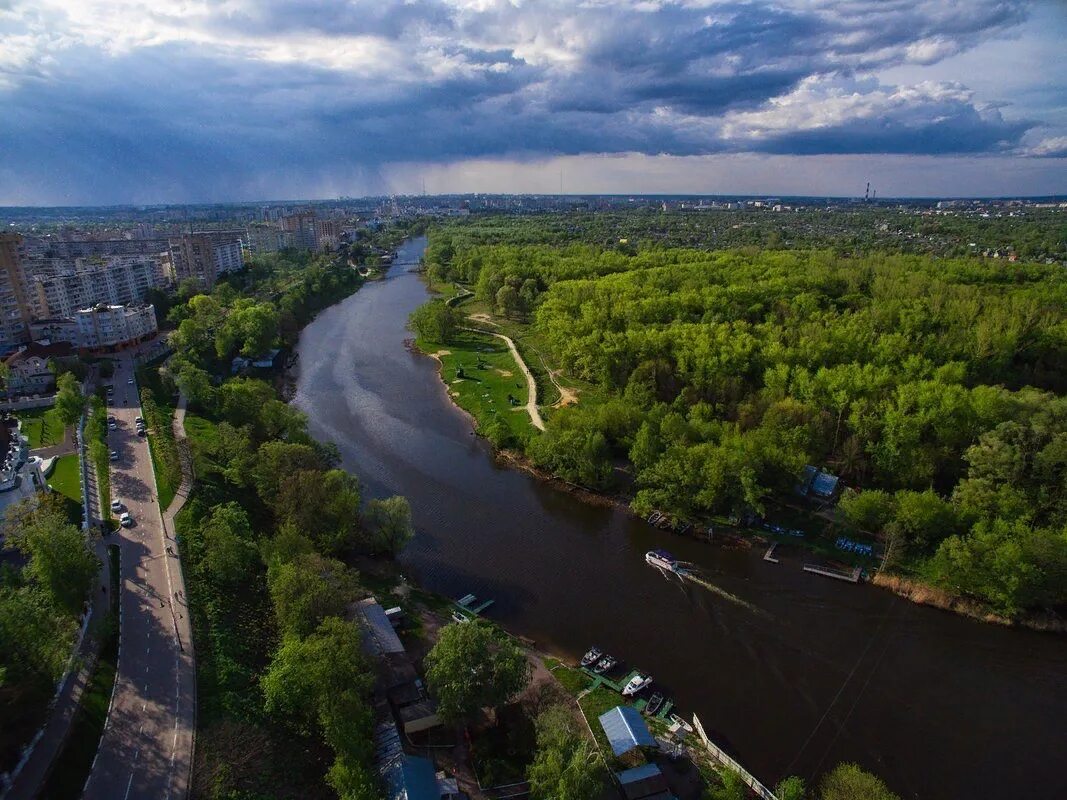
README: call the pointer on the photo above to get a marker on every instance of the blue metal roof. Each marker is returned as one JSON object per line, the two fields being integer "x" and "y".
{"x": 412, "y": 778}
{"x": 824, "y": 484}
{"x": 625, "y": 729}
{"x": 638, "y": 774}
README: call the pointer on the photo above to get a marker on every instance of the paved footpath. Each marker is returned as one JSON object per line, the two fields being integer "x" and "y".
{"x": 147, "y": 747}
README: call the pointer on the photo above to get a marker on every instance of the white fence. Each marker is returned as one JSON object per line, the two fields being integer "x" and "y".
{"x": 717, "y": 753}
{"x": 27, "y": 403}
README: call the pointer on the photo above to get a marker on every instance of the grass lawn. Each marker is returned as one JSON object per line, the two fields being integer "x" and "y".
{"x": 593, "y": 705}
{"x": 480, "y": 374}
{"x": 573, "y": 680}
{"x": 41, "y": 426}
{"x": 74, "y": 762}
{"x": 65, "y": 478}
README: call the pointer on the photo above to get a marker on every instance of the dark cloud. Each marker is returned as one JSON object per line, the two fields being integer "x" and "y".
{"x": 441, "y": 83}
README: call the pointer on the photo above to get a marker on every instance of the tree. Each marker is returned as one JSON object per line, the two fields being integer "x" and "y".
{"x": 35, "y": 635}
{"x": 308, "y": 676}
{"x": 390, "y": 519}
{"x": 850, "y": 782}
{"x": 791, "y": 788}
{"x": 308, "y": 589}
{"x": 567, "y": 765}
{"x": 60, "y": 560}
{"x": 731, "y": 787}
{"x": 869, "y": 510}
{"x": 242, "y": 399}
{"x": 435, "y": 321}
{"x": 472, "y": 667}
{"x": 322, "y": 505}
{"x": 277, "y": 461}
{"x": 195, "y": 384}
{"x": 507, "y": 300}
{"x": 69, "y": 400}
{"x": 229, "y": 549}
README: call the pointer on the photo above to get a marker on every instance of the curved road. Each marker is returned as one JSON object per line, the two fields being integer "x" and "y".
{"x": 146, "y": 749}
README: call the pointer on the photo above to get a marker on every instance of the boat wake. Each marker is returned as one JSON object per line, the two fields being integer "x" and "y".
{"x": 686, "y": 571}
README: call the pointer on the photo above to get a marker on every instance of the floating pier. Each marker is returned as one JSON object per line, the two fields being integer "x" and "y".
{"x": 852, "y": 576}
{"x": 769, "y": 555}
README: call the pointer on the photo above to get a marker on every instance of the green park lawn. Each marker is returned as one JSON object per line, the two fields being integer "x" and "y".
{"x": 480, "y": 374}
{"x": 65, "y": 479}
{"x": 41, "y": 426}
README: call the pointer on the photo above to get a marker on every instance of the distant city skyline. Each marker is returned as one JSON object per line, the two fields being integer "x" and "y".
{"x": 126, "y": 101}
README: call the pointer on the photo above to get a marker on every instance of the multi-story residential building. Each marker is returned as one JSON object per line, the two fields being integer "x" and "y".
{"x": 45, "y": 247}
{"x": 205, "y": 255}
{"x": 14, "y": 309}
{"x": 267, "y": 239}
{"x": 60, "y": 287}
{"x": 100, "y": 329}
{"x": 302, "y": 228}
{"x": 327, "y": 234}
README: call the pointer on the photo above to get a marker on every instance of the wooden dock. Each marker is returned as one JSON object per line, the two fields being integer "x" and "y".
{"x": 769, "y": 555}
{"x": 852, "y": 576}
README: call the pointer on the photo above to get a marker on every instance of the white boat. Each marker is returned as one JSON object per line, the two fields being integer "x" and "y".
{"x": 636, "y": 684}
{"x": 605, "y": 664}
{"x": 661, "y": 559}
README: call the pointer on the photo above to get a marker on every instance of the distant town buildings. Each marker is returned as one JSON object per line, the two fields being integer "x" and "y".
{"x": 14, "y": 308}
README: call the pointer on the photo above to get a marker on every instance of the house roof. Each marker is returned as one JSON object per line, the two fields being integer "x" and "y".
{"x": 643, "y": 782}
{"x": 412, "y": 778}
{"x": 626, "y": 729}
{"x": 46, "y": 351}
{"x": 379, "y": 636}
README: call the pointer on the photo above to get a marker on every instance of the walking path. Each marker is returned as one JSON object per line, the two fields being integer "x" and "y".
{"x": 531, "y": 384}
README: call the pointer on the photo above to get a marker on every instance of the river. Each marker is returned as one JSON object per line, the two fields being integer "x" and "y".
{"x": 791, "y": 672}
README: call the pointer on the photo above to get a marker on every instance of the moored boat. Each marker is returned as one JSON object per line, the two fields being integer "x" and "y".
{"x": 592, "y": 656}
{"x": 638, "y": 682}
{"x": 605, "y": 664}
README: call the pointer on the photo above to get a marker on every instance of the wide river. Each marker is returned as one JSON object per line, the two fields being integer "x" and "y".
{"x": 791, "y": 672}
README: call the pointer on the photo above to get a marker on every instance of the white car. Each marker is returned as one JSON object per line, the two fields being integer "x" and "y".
{"x": 130, "y": 382}
{"x": 126, "y": 521}
{"x": 636, "y": 684}
{"x": 117, "y": 506}
{"x": 112, "y": 426}
{"x": 114, "y": 455}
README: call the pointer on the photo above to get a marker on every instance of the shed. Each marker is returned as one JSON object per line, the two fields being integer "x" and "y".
{"x": 824, "y": 485}
{"x": 646, "y": 781}
{"x": 379, "y": 637}
{"x": 626, "y": 729}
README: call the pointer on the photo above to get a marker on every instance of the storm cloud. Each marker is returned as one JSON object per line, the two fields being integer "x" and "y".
{"x": 130, "y": 99}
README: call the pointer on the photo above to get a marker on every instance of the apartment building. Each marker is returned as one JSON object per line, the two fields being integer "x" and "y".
{"x": 205, "y": 255}
{"x": 102, "y": 328}
{"x": 14, "y": 309}
{"x": 267, "y": 239}
{"x": 46, "y": 247}
{"x": 60, "y": 287}
{"x": 301, "y": 226}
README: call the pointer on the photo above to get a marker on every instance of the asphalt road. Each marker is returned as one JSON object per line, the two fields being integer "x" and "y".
{"x": 146, "y": 749}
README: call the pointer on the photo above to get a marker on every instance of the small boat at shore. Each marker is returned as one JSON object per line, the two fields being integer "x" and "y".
{"x": 605, "y": 664}
{"x": 655, "y": 702}
{"x": 661, "y": 559}
{"x": 637, "y": 683}
{"x": 593, "y": 656}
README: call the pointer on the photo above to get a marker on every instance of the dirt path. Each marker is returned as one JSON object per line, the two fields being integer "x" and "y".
{"x": 531, "y": 384}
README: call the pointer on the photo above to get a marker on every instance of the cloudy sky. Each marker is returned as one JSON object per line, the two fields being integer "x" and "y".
{"x": 113, "y": 101}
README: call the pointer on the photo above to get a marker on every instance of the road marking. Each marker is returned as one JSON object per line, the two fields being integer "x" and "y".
{"x": 128, "y": 785}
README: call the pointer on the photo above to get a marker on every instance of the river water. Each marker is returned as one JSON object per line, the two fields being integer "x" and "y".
{"x": 791, "y": 672}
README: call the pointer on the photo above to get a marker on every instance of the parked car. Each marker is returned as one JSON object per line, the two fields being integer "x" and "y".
{"x": 112, "y": 426}
{"x": 117, "y": 506}
{"x": 142, "y": 432}
{"x": 139, "y": 420}
{"x": 114, "y": 455}
{"x": 130, "y": 382}
{"x": 126, "y": 521}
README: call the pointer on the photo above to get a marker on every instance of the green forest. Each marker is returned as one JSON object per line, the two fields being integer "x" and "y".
{"x": 933, "y": 386}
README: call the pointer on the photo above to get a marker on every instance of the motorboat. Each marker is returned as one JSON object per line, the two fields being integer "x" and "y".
{"x": 654, "y": 517}
{"x": 605, "y": 664}
{"x": 661, "y": 559}
{"x": 655, "y": 702}
{"x": 637, "y": 683}
{"x": 593, "y": 656}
